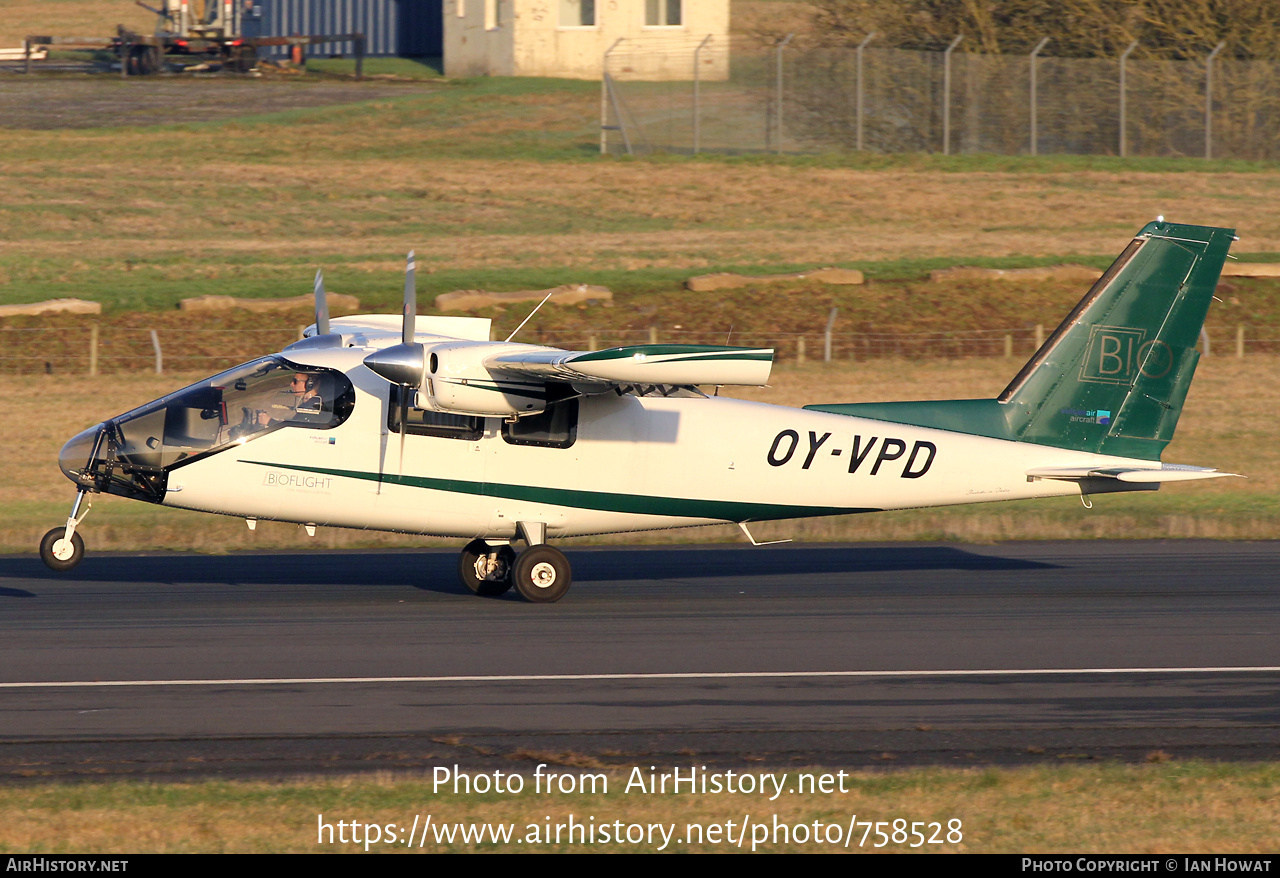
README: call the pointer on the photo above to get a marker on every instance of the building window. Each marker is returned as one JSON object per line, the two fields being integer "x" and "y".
{"x": 662, "y": 13}
{"x": 492, "y": 14}
{"x": 460, "y": 8}
{"x": 577, "y": 13}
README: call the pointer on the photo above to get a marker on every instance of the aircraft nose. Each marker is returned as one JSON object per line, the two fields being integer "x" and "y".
{"x": 74, "y": 456}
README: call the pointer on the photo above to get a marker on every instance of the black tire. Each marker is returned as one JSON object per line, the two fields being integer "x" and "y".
{"x": 486, "y": 588}
{"x": 47, "y": 548}
{"x": 244, "y": 59}
{"x": 542, "y": 574}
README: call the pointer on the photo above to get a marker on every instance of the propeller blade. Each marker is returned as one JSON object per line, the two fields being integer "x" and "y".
{"x": 410, "y": 301}
{"x": 322, "y": 305}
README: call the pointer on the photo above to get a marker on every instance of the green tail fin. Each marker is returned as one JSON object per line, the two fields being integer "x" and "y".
{"x": 1113, "y": 377}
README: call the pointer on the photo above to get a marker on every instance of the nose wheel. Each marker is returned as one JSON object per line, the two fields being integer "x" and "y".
{"x": 59, "y": 553}
{"x": 62, "y": 548}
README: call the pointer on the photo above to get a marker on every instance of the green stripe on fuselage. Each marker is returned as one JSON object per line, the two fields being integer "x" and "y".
{"x": 635, "y": 504}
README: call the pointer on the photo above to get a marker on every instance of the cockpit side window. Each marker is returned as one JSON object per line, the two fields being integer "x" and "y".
{"x": 425, "y": 423}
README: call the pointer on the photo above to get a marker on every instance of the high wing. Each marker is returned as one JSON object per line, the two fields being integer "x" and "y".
{"x": 640, "y": 364}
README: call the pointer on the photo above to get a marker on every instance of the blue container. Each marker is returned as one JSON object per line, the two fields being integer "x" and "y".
{"x": 390, "y": 27}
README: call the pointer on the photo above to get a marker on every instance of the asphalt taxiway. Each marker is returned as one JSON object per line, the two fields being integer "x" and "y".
{"x": 859, "y": 654}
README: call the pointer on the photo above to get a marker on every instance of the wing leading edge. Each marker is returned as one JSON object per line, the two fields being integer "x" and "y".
{"x": 642, "y": 364}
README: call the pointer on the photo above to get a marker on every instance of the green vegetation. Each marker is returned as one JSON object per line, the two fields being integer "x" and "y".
{"x": 397, "y": 68}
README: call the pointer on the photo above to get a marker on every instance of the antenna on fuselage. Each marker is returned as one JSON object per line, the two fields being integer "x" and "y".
{"x": 531, "y": 313}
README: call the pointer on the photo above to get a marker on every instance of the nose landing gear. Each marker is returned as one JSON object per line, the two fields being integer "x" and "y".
{"x": 62, "y": 548}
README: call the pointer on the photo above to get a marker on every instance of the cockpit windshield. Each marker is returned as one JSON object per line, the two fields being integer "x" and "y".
{"x": 128, "y": 452}
{"x": 232, "y": 407}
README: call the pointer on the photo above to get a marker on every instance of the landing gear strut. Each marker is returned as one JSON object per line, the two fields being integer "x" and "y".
{"x": 62, "y": 548}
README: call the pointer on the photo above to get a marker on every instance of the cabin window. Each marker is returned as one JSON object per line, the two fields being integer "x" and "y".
{"x": 577, "y": 13}
{"x": 557, "y": 427}
{"x": 662, "y": 13}
{"x": 422, "y": 423}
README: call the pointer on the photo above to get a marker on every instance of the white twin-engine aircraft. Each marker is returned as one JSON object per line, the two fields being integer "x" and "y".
{"x": 427, "y": 427}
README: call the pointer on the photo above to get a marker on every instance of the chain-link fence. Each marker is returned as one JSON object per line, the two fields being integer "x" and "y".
{"x": 745, "y": 97}
{"x": 114, "y": 350}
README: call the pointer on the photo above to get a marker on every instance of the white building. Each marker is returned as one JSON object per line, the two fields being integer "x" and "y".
{"x": 569, "y": 38}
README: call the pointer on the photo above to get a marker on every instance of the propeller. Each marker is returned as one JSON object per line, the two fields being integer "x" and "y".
{"x": 322, "y": 305}
{"x": 403, "y": 363}
{"x": 323, "y": 337}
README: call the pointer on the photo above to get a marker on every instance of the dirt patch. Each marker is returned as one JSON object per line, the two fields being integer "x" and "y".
{"x": 40, "y": 103}
{"x": 70, "y": 18}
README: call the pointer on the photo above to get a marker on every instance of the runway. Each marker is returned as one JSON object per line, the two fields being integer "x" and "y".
{"x": 850, "y": 655}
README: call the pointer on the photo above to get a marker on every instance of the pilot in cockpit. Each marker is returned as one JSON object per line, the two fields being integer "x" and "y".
{"x": 300, "y": 402}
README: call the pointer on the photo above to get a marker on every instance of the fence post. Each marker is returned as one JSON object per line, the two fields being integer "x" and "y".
{"x": 800, "y": 350}
{"x": 653, "y": 335}
{"x": 1240, "y": 341}
{"x": 26, "y": 52}
{"x": 1008, "y": 345}
{"x": 591, "y": 342}
{"x": 697, "y": 114}
{"x": 826, "y": 337}
{"x": 1124, "y": 57}
{"x": 604, "y": 100}
{"x": 946, "y": 95}
{"x": 93, "y": 349}
{"x": 1204, "y": 340}
{"x": 1208, "y": 100}
{"x": 777, "y": 115}
{"x": 1039, "y": 336}
{"x": 155, "y": 343}
{"x": 858, "y": 92}
{"x": 1034, "y": 135}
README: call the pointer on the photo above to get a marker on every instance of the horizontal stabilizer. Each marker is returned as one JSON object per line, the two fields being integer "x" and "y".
{"x": 642, "y": 364}
{"x": 1169, "y": 472}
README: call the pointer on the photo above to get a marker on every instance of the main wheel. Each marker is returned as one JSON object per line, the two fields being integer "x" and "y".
{"x": 60, "y": 554}
{"x": 484, "y": 570}
{"x": 542, "y": 574}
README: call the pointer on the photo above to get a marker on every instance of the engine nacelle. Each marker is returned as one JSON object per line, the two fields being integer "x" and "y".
{"x": 458, "y": 382}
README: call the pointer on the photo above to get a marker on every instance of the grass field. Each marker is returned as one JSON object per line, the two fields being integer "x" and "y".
{"x": 496, "y": 184}
{"x": 1156, "y": 808}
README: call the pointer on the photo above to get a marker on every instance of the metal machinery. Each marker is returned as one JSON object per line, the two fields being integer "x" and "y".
{"x": 211, "y": 31}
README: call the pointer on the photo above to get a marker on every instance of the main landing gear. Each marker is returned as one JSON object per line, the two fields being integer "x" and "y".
{"x": 540, "y": 573}
{"x": 62, "y": 548}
